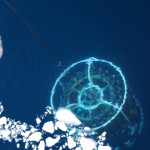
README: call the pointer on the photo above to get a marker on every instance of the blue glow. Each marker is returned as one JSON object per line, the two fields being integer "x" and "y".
{"x": 91, "y": 100}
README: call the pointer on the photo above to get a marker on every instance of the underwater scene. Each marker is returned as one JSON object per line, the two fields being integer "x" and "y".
{"x": 74, "y": 75}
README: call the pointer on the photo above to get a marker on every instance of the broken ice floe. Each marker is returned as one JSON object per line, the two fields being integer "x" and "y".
{"x": 49, "y": 127}
{"x": 67, "y": 117}
{"x": 45, "y": 134}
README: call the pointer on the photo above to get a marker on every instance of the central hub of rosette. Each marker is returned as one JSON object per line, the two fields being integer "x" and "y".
{"x": 90, "y": 97}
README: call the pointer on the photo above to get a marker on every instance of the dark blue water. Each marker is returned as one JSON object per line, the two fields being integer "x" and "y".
{"x": 116, "y": 31}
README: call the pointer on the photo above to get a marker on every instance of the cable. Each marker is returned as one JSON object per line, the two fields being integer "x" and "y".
{"x": 37, "y": 36}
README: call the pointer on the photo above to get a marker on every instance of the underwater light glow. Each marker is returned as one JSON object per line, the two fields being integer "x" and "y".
{"x": 96, "y": 93}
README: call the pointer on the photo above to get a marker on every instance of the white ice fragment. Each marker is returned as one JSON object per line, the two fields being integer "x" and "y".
{"x": 51, "y": 142}
{"x": 64, "y": 146}
{"x": 23, "y": 127}
{"x": 71, "y": 142}
{"x": 100, "y": 137}
{"x": 101, "y": 143}
{"x": 38, "y": 121}
{"x": 103, "y": 138}
{"x": 5, "y": 133}
{"x": 26, "y": 134}
{"x": 49, "y": 110}
{"x": 1, "y": 48}
{"x": 17, "y": 140}
{"x": 67, "y": 117}
{"x": 41, "y": 145}
{"x": 18, "y": 145}
{"x": 26, "y": 145}
{"x": 61, "y": 125}
{"x": 87, "y": 143}
{"x": 87, "y": 128}
{"x": 49, "y": 127}
{"x": 1, "y": 108}
{"x": 37, "y": 136}
{"x": 33, "y": 129}
{"x": 100, "y": 147}
{"x": 60, "y": 148}
{"x": 78, "y": 148}
{"x": 104, "y": 133}
{"x": 6, "y": 126}
{"x": 3, "y": 120}
{"x": 13, "y": 132}
{"x": 55, "y": 128}
{"x": 72, "y": 131}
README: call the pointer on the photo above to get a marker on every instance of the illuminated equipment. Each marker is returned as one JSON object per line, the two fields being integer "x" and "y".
{"x": 96, "y": 93}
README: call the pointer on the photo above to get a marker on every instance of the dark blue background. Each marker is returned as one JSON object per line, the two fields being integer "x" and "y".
{"x": 118, "y": 31}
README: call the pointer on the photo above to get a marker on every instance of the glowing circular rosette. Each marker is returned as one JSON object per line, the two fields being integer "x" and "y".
{"x": 93, "y": 89}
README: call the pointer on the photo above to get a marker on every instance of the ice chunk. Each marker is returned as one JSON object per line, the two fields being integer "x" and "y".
{"x": 33, "y": 129}
{"x": 100, "y": 147}
{"x": 87, "y": 143}
{"x": 71, "y": 142}
{"x": 1, "y": 108}
{"x": 38, "y": 121}
{"x": 103, "y": 138}
{"x": 72, "y": 131}
{"x": 37, "y": 136}
{"x": 5, "y": 133}
{"x": 51, "y": 142}
{"x": 23, "y": 127}
{"x": 87, "y": 128}
{"x": 104, "y": 133}
{"x": 41, "y": 145}
{"x": 33, "y": 137}
{"x": 3, "y": 120}
{"x": 26, "y": 134}
{"x": 49, "y": 127}
{"x": 61, "y": 125}
{"x": 1, "y": 48}
{"x": 78, "y": 148}
{"x": 18, "y": 145}
{"x": 67, "y": 116}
